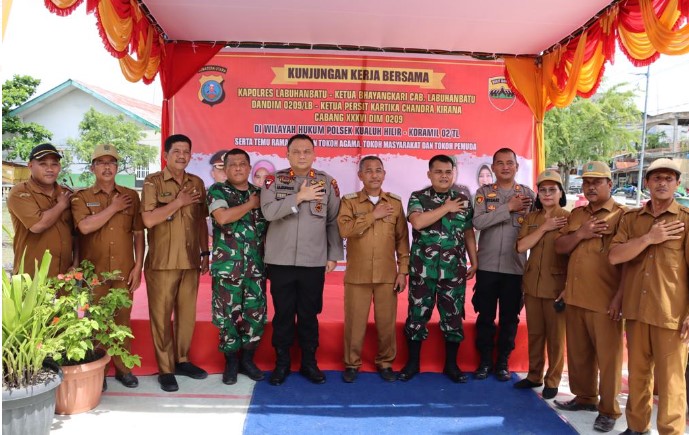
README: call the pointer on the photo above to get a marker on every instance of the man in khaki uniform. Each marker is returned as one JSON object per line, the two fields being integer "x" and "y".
{"x": 112, "y": 237}
{"x": 594, "y": 339}
{"x": 302, "y": 245}
{"x": 652, "y": 242}
{"x": 374, "y": 225}
{"x": 41, "y": 216}
{"x": 174, "y": 211}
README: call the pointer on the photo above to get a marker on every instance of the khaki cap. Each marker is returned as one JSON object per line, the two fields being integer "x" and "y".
{"x": 596, "y": 169}
{"x": 549, "y": 175}
{"x": 664, "y": 163}
{"x": 105, "y": 150}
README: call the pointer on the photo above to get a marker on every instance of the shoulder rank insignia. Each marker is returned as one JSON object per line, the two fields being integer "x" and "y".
{"x": 353, "y": 195}
{"x": 333, "y": 183}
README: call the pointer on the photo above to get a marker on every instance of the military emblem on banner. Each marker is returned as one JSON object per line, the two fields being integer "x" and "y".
{"x": 211, "y": 89}
{"x": 500, "y": 96}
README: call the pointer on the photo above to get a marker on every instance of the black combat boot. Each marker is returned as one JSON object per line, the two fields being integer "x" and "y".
{"x": 248, "y": 367}
{"x": 451, "y": 369}
{"x": 413, "y": 365}
{"x": 309, "y": 367}
{"x": 229, "y": 375}
{"x": 282, "y": 363}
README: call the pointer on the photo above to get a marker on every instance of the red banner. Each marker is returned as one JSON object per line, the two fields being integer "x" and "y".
{"x": 404, "y": 109}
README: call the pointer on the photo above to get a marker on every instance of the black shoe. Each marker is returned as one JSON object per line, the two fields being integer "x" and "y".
{"x": 247, "y": 366}
{"x": 549, "y": 392}
{"x": 313, "y": 374}
{"x": 604, "y": 423}
{"x": 413, "y": 365}
{"x": 407, "y": 373}
{"x": 189, "y": 369}
{"x": 573, "y": 405}
{"x": 350, "y": 374}
{"x": 168, "y": 382}
{"x": 229, "y": 373}
{"x": 105, "y": 385}
{"x": 127, "y": 379}
{"x": 503, "y": 374}
{"x": 633, "y": 432}
{"x": 387, "y": 374}
{"x": 481, "y": 372}
{"x": 456, "y": 375}
{"x": 525, "y": 384}
{"x": 279, "y": 375}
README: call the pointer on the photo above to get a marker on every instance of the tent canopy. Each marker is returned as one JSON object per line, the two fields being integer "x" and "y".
{"x": 504, "y": 26}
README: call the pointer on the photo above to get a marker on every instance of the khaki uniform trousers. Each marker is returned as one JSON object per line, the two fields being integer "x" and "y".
{"x": 546, "y": 333}
{"x": 168, "y": 291}
{"x": 357, "y": 306}
{"x": 648, "y": 347}
{"x": 594, "y": 338}
{"x": 122, "y": 318}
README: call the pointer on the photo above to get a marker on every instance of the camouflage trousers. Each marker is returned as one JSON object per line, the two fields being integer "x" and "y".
{"x": 424, "y": 292}
{"x": 239, "y": 311}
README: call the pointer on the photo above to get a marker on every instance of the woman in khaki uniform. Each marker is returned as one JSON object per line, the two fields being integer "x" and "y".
{"x": 544, "y": 280}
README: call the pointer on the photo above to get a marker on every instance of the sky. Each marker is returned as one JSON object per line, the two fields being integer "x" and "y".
{"x": 55, "y": 49}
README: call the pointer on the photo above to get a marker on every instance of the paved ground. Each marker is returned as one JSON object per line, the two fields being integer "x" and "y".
{"x": 216, "y": 408}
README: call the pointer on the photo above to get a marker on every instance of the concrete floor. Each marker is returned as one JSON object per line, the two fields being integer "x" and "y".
{"x": 216, "y": 408}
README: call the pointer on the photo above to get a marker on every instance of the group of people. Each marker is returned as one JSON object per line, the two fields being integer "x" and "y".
{"x": 586, "y": 271}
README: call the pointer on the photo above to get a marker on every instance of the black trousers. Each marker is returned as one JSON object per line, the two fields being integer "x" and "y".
{"x": 491, "y": 288}
{"x": 297, "y": 292}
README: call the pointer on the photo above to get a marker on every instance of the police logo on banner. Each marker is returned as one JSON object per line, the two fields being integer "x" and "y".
{"x": 500, "y": 96}
{"x": 211, "y": 91}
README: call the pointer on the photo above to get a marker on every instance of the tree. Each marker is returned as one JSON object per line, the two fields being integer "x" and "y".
{"x": 97, "y": 128}
{"x": 591, "y": 129}
{"x": 21, "y": 136}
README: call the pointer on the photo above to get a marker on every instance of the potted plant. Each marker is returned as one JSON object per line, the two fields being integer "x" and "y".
{"x": 99, "y": 339}
{"x": 34, "y": 329}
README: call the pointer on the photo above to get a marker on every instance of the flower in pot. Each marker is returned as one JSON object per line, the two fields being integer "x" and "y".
{"x": 89, "y": 349}
{"x": 34, "y": 328}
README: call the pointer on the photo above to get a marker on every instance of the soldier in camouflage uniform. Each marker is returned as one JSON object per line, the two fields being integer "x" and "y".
{"x": 239, "y": 282}
{"x": 442, "y": 237}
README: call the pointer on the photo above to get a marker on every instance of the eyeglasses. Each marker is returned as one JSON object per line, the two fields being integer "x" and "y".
{"x": 548, "y": 191}
{"x": 102, "y": 163}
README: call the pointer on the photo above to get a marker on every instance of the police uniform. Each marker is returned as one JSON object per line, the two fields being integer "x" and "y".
{"x": 238, "y": 274}
{"x": 26, "y": 203}
{"x": 594, "y": 341}
{"x": 437, "y": 266}
{"x": 500, "y": 269}
{"x": 655, "y": 303}
{"x": 172, "y": 266}
{"x": 301, "y": 239}
{"x": 544, "y": 280}
{"x": 377, "y": 250}
{"x": 111, "y": 247}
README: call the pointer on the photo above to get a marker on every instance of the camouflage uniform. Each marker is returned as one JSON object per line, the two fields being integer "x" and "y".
{"x": 237, "y": 270}
{"x": 438, "y": 266}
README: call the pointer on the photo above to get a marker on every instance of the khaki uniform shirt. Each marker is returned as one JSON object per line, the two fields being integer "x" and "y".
{"x": 26, "y": 203}
{"x": 301, "y": 235}
{"x": 499, "y": 228}
{"x": 656, "y": 282}
{"x": 111, "y": 247}
{"x": 174, "y": 243}
{"x": 377, "y": 249}
{"x": 591, "y": 280}
{"x": 546, "y": 271}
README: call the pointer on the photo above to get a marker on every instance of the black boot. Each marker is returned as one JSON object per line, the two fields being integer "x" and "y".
{"x": 451, "y": 369}
{"x": 309, "y": 367}
{"x": 282, "y": 363}
{"x": 247, "y": 366}
{"x": 502, "y": 372}
{"x": 229, "y": 375}
{"x": 412, "y": 367}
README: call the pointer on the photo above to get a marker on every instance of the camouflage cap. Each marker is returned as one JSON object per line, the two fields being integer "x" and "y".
{"x": 595, "y": 169}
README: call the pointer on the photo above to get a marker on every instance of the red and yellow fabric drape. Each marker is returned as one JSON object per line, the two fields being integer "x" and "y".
{"x": 126, "y": 33}
{"x": 643, "y": 29}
